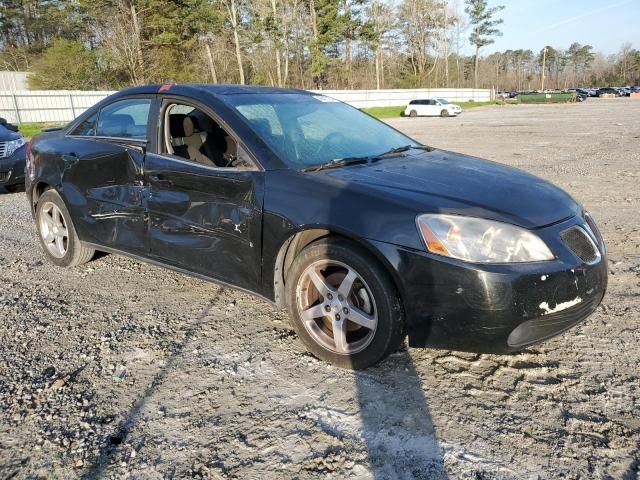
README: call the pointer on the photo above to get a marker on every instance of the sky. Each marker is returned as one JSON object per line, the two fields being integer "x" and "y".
{"x": 532, "y": 24}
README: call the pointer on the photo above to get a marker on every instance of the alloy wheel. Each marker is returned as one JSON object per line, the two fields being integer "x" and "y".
{"x": 53, "y": 229}
{"x": 336, "y": 307}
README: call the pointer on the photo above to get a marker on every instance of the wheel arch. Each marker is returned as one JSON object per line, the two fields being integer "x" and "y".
{"x": 36, "y": 192}
{"x": 296, "y": 242}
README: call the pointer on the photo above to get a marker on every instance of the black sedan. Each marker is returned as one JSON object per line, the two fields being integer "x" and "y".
{"x": 608, "y": 91}
{"x": 12, "y": 158}
{"x": 364, "y": 234}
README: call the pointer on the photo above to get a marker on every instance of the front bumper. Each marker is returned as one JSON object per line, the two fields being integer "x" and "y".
{"x": 12, "y": 168}
{"x": 495, "y": 308}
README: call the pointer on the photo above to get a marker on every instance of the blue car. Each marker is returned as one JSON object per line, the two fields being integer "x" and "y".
{"x": 13, "y": 157}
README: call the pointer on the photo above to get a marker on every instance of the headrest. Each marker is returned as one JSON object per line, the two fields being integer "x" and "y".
{"x": 176, "y": 125}
{"x": 116, "y": 125}
{"x": 190, "y": 126}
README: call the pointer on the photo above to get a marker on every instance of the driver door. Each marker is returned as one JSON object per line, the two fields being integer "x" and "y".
{"x": 204, "y": 218}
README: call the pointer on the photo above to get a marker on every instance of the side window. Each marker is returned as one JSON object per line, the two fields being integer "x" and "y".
{"x": 125, "y": 119}
{"x": 87, "y": 127}
{"x": 191, "y": 134}
{"x": 431, "y": 102}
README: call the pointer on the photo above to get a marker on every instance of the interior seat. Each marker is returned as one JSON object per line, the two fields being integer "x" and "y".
{"x": 186, "y": 141}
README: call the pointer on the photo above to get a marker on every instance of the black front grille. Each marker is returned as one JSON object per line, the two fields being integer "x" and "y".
{"x": 578, "y": 240}
{"x": 547, "y": 326}
{"x": 4, "y": 176}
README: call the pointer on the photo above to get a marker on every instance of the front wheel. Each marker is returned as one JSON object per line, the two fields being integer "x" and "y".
{"x": 57, "y": 234}
{"x": 343, "y": 305}
{"x": 444, "y": 113}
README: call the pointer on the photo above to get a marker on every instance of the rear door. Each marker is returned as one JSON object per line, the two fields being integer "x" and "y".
{"x": 432, "y": 108}
{"x": 103, "y": 176}
{"x": 204, "y": 218}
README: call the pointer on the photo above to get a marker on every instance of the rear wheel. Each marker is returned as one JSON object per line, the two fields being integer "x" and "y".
{"x": 444, "y": 113}
{"x": 57, "y": 234}
{"x": 343, "y": 305}
{"x": 413, "y": 113}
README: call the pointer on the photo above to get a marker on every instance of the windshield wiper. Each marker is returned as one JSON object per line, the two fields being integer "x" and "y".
{"x": 341, "y": 162}
{"x": 336, "y": 163}
{"x": 396, "y": 150}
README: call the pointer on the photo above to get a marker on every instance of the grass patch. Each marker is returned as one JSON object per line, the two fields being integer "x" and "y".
{"x": 396, "y": 111}
{"x": 32, "y": 129}
{"x": 385, "y": 112}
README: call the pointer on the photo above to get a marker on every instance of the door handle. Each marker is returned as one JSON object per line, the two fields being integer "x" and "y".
{"x": 70, "y": 158}
{"x": 160, "y": 180}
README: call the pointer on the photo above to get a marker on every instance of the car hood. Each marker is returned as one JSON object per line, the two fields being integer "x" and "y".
{"x": 447, "y": 182}
{"x": 7, "y": 135}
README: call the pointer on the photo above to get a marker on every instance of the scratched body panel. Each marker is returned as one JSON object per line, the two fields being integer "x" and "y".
{"x": 205, "y": 219}
{"x": 106, "y": 179}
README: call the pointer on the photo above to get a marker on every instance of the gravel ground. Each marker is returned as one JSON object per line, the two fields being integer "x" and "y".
{"x": 122, "y": 370}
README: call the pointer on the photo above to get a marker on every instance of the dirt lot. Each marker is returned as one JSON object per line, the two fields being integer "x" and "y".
{"x": 218, "y": 386}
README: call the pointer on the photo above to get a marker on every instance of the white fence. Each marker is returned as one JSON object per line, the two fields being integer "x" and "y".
{"x": 56, "y": 106}
{"x": 24, "y": 106}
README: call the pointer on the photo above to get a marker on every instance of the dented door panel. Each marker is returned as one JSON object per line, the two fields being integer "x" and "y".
{"x": 205, "y": 219}
{"x": 107, "y": 176}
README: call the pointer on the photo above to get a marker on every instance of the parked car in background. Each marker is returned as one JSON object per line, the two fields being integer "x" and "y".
{"x": 363, "y": 233}
{"x": 430, "y": 107}
{"x": 625, "y": 91}
{"x": 12, "y": 159}
{"x": 608, "y": 90}
{"x": 7, "y": 125}
{"x": 584, "y": 91}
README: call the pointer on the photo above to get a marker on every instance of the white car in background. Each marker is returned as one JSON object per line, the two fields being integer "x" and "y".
{"x": 432, "y": 108}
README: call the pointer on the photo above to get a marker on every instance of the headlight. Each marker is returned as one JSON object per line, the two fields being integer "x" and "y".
{"x": 14, "y": 145}
{"x": 478, "y": 240}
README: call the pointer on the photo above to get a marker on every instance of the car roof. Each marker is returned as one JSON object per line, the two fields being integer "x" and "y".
{"x": 207, "y": 88}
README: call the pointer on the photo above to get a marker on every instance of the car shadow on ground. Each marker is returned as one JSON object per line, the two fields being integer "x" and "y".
{"x": 397, "y": 428}
{"x": 396, "y": 421}
{"x": 100, "y": 464}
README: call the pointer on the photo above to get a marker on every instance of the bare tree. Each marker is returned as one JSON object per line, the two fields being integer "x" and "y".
{"x": 484, "y": 27}
{"x": 421, "y": 22}
{"x": 233, "y": 15}
{"x": 121, "y": 35}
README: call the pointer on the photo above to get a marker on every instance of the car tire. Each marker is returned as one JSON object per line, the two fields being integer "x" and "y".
{"x": 56, "y": 232}
{"x": 413, "y": 114}
{"x": 444, "y": 113}
{"x": 370, "y": 298}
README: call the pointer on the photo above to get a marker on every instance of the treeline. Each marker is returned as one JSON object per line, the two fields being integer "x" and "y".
{"x": 108, "y": 44}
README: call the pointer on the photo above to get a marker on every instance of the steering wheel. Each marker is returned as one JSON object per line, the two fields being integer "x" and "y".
{"x": 333, "y": 138}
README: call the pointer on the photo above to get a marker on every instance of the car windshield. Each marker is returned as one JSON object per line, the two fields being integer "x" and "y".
{"x": 307, "y": 130}
{"x": 443, "y": 101}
